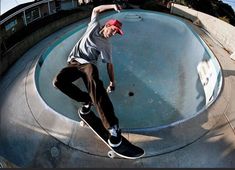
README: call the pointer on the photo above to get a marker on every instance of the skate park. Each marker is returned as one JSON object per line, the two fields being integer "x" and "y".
{"x": 40, "y": 126}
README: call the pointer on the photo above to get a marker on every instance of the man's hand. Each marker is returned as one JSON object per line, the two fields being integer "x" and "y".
{"x": 117, "y": 7}
{"x": 102, "y": 8}
{"x": 111, "y": 87}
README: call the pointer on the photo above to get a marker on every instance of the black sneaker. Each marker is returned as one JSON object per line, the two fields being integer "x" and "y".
{"x": 85, "y": 109}
{"x": 115, "y": 138}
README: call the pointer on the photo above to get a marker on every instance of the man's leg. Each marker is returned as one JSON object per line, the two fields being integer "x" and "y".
{"x": 64, "y": 81}
{"x": 101, "y": 100}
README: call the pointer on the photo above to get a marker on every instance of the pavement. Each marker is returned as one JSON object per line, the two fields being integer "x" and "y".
{"x": 207, "y": 140}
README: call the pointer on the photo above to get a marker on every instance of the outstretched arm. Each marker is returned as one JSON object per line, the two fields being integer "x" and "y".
{"x": 102, "y": 8}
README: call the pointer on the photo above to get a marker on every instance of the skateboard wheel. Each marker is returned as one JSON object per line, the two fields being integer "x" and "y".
{"x": 82, "y": 123}
{"x": 111, "y": 154}
{"x": 1, "y": 165}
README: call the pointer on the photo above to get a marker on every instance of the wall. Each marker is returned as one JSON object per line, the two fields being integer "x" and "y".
{"x": 8, "y": 58}
{"x": 220, "y": 30}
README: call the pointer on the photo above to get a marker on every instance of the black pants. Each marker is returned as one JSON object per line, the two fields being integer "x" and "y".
{"x": 96, "y": 92}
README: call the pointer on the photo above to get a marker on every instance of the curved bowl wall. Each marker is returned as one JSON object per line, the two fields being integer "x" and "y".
{"x": 164, "y": 72}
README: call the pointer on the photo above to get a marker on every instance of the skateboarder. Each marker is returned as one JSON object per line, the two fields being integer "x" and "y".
{"x": 82, "y": 64}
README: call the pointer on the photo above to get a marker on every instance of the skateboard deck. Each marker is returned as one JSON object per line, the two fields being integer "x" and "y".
{"x": 125, "y": 150}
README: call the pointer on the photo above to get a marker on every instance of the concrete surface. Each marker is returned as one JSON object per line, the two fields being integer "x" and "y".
{"x": 26, "y": 143}
{"x": 222, "y": 31}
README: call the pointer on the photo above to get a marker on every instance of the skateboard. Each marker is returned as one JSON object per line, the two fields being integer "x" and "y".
{"x": 125, "y": 150}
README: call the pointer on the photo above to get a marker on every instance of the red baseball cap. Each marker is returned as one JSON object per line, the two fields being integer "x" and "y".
{"x": 117, "y": 24}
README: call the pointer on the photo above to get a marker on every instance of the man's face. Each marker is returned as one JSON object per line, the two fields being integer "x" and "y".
{"x": 109, "y": 31}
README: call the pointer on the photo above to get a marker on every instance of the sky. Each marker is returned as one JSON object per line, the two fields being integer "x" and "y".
{"x": 6, "y": 5}
{"x": 230, "y": 2}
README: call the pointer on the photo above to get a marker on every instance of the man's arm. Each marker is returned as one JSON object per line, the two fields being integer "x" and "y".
{"x": 110, "y": 70}
{"x": 102, "y": 8}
